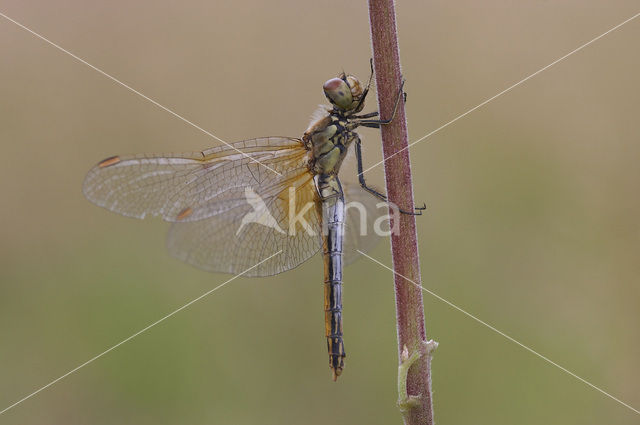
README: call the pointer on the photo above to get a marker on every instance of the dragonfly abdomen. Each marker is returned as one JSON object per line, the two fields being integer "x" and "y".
{"x": 332, "y": 199}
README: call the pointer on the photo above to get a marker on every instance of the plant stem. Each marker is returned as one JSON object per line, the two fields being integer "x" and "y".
{"x": 404, "y": 242}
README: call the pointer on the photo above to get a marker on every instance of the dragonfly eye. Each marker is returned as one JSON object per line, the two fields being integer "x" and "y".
{"x": 339, "y": 93}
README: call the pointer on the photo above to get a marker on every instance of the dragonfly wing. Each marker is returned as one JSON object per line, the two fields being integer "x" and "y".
{"x": 363, "y": 221}
{"x": 168, "y": 184}
{"x": 229, "y": 211}
{"x": 242, "y": 232}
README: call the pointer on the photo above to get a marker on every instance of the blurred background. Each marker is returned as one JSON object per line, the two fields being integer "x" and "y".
{"x": 532, "y": 222}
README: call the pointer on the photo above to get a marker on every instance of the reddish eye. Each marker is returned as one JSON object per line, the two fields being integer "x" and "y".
{"x": 338, "y": 93}
{"x": 333, "y": 84}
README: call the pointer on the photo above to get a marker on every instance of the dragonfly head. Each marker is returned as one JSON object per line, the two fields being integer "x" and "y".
{"x": 345, "y": 93}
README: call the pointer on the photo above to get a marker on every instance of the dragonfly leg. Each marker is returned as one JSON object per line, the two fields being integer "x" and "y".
{"x": 378, "y": 123}
{"x": 363, "y": 183}
{"x": 375, "y": 114}
{"x": 369, "y": 115}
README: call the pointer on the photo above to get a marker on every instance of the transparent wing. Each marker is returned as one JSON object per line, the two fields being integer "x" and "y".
{"x": 167, "y": 184}
{"x": 229, "y": 212}
{"x": 242, "y": 234}
{"x": 364, "y": 221}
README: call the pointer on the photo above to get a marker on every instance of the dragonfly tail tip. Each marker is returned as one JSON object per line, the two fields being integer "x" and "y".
{"x": 336, "y": 373}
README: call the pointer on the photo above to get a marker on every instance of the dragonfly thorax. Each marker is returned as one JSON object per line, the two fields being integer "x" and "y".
{"x": 328, "y": 140}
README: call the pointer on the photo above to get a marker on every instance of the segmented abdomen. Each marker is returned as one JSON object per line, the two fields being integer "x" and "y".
{"x": 332, "y": 199}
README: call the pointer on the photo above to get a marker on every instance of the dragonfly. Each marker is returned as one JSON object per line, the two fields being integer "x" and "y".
{"x": 231, "y": 206}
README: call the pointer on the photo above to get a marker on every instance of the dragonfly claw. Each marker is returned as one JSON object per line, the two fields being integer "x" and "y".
{"x": 416, "y": 210}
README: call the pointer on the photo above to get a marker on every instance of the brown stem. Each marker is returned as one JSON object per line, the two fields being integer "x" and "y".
{"x": 404, "y": 242}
